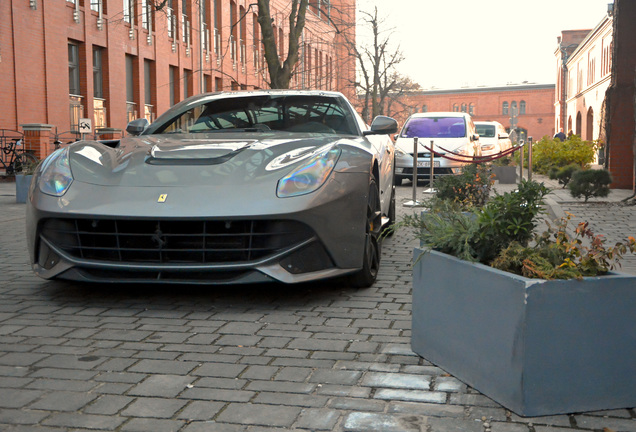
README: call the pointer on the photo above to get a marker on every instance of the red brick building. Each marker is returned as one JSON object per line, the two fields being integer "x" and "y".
{"x": 533, "y": 104}
{"x": 115, "y": 60}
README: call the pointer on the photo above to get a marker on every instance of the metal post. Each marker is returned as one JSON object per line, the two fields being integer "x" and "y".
{"x": 521, "y": 162}
{"x": 430, "y": 184}
{"x": 529, "y": 158}
{"x": 414, "y": 202}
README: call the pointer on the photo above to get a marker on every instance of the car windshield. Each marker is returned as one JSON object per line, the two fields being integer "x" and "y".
{"x": 295, "y": 113}
{"x": 434, "y": 127}
{"x": 485, "y": 131}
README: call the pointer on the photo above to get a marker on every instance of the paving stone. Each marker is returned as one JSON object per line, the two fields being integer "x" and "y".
{"x": 163, "y": 367}
{"x": 508, "y": 427}
{"x": 16, "y": 398}
{"x": 410, "y": 395}
{"x": 152, "y": 425}
{"x": 318, "y": 419}
{"x": 258, "y": 414}
{"x": 616, "y": 424}
{"x": 370, "y": 422}
{"x": 427, "y": 409}
{"x": 439, "y": 424}
{"x": 220, "y": 370}
{"x": 89, "y": 421}
{"x": 108, "y": 405}
{"x": 63, "y": 401}
{"x": 153, "y": 407}
{"x": 223, "y": 395}
{"x": 396, "y": 380}
{"x": 162, "y": 386}
{"x": 199, "y": 410}
{"x": 290, "y": 399}
{"x": 21, "y": 416}
{"x": 330, "y": 376}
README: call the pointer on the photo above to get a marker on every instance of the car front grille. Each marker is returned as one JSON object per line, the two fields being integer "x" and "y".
{"x": 174, "y": 241}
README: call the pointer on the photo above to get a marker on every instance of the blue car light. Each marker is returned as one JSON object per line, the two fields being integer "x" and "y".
{"x": 311, "y": 175}
{"x": 55, "y": 175}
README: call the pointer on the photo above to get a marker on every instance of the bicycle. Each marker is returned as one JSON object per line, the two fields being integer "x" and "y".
{"x": 16, "y": 159}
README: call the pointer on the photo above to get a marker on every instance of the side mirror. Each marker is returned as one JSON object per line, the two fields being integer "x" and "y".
{"x": 475, "y": 137}
{"x": 382, "y": 125}
{"x": 137, "y": 126}
{"x": 396, "y": 136}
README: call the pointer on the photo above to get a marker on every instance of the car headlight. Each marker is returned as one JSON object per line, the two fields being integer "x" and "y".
{"x": 400, "y": 152}
{"x": 55, "y": 175}
{"x": 487, "y": 146}
{"x": 311, "y": 175}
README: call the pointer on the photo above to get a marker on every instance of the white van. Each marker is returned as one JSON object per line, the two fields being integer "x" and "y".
{"x": 445, "y": 133}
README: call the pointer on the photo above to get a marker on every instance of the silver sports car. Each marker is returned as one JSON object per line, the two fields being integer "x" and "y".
{"x": 240, "y": 187}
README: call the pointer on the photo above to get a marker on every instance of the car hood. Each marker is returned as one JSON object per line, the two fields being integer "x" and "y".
{"x": 182, "y": 160}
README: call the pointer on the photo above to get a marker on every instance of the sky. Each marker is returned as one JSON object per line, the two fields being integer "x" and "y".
{"x": 459, "y": 43}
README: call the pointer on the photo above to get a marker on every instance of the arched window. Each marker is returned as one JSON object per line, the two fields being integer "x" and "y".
{"x": 455, "y": 107}
{"x": 522, "y": 107}
{"x": 504, "y": 108}
{"x": 464, "y": 107}
{"x": 424, "y": 108}
{"x": 471, "y": 109}
{"x": 513, "y": 108}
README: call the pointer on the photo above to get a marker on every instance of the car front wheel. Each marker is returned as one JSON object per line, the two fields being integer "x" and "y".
{"x": 371, "y": 258}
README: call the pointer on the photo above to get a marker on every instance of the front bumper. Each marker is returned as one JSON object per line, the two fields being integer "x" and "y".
{"x": 124, "y": 236}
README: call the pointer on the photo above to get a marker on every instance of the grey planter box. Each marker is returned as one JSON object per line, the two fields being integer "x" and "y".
{"x": 536, "y": 347}
{"x": 505, "y": 174}
{"x": 22, "y": 183}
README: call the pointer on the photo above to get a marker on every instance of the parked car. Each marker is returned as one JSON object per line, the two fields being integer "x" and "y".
{"x": 236, "y": 187}
{"x": 493, "y": 137}
{"x": 443, "y": 132}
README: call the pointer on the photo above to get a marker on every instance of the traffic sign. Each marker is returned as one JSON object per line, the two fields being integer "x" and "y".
{"x": 85, "y": 125}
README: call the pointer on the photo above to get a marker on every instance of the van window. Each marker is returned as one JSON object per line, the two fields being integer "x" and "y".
{"x": 435, "y": 127}
{"x": 486, "y": 131}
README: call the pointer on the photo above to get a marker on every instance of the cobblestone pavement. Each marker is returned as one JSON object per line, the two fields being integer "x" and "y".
{"x": 258, "y": 358}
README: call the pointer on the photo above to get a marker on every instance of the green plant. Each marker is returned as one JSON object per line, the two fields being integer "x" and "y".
{"x": 470, "y": 188}
{"x": 557, "y": 255}
{"x": 590, "y": 183}
{"x": 509, "y": 160}
{"x": 481, "y": 233}
{"x": 548, "y": 153}
{"x": 563, "y": 174}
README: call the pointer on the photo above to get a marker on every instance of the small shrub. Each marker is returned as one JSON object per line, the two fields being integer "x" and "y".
{"x": 470, "y": 188}
{"x": 548, "y": 153}
{"x": 590, "y": 183}
{"x": 479, "y": 234}
{"x": 563, "y": 174}
{"x": 556, "y": 255}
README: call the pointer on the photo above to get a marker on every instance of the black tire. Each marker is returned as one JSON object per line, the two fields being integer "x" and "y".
{"x": 24, "y": 162}
{"x": 391, "y": 215}
{"x": 372, "y": 251}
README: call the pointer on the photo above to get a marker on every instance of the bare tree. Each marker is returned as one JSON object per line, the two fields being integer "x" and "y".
{"x": 378, "y": 77}
{"x": 281, "y": 74}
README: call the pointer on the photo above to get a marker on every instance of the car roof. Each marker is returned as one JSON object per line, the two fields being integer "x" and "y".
{"x": 487, "y": 122}
{"x": 441, "y": 114}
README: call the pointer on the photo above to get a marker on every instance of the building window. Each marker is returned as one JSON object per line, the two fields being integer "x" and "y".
{"x": 218, "y": 84}
{"x": 504, "y": 108}
{"x": 463, "y": 107}
{"x": 471, "y": 109}
{"x": 96, "y": 5}
{"x": 171, "y": 20}
{"x": 129, "y": 11}
{"x": 513, "y": 108}
{"x": 186, "y": 83}
{"x": 174, "y": 77}
{"x": 73, "y": 69}
{"x": 149, "y": 77}
{"x": 424, "y": 108}
{"x": 522, "y": 107}
{"x": 98, "y": 81}
{"x": 131, "y": 104}
{"x": 455, "y": 107}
